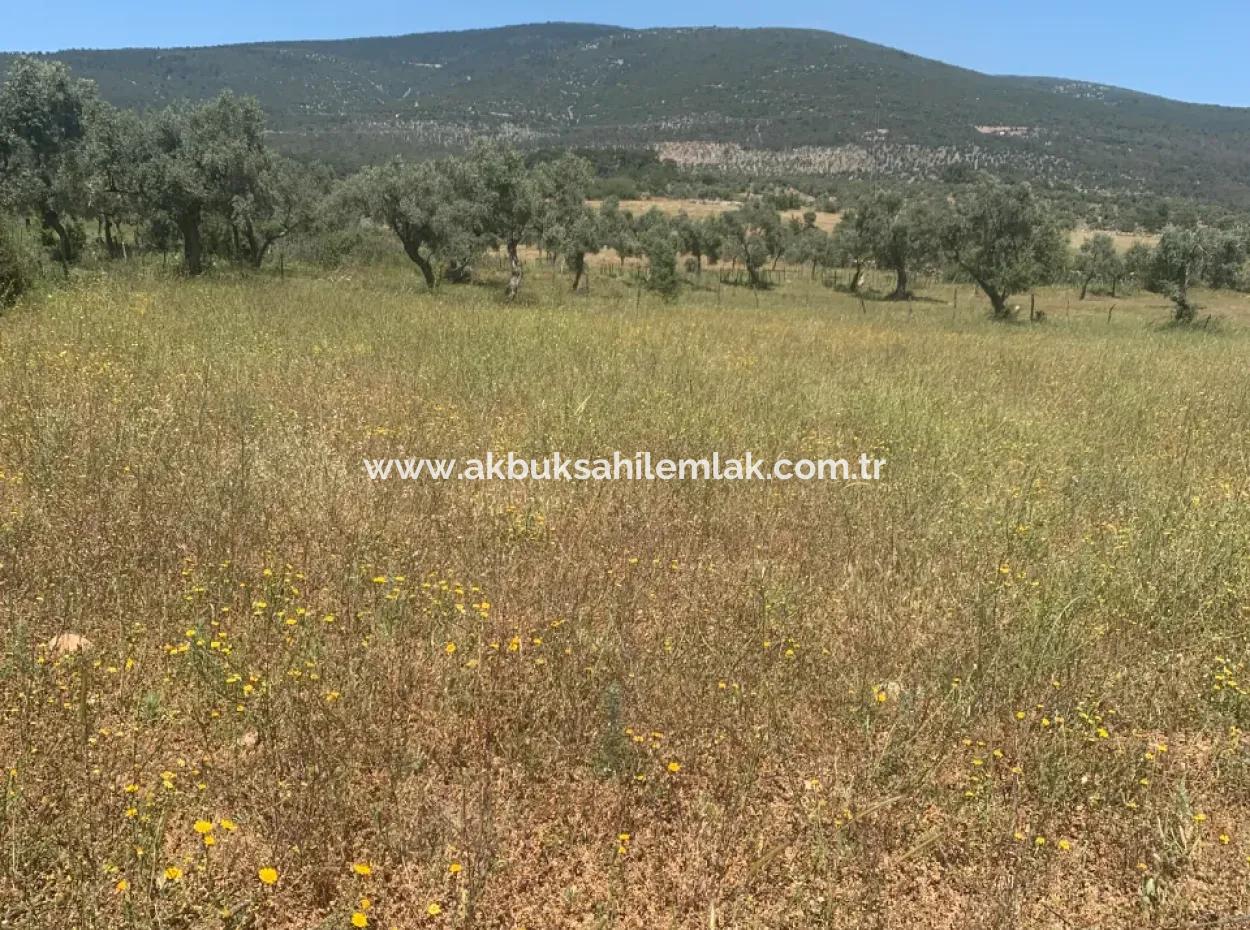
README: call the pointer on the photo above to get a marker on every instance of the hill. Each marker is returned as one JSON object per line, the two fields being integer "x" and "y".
{"x": 758, "y": 101}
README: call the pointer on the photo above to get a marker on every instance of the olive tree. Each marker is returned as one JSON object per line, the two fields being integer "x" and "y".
{"x": 580, "y": 235}
{"x": 283, "y": 200}
{"x": 807, "y": 243}
{"x": 1138, "y": 263}
{"x": 563, "y": 223}
{"x": 511, "y": 200}
{"x": 617, "y": 226}
{"x": 1097, "y": 260}
{"x": 851, "y": 245}
{"x": 45, "y": 113}
{"x": 753, "y": 236}
{"x": 433, "y": 208}
{"x": 1005, "y": 239}
{"x": 114, "y": 147}
{"x": 898, "y": 234}
{"x": 1178, "y": 262}
{"x": 1226, "y": 259}
{"x": 701, "y": 239}
{"x": 200, "y": 160}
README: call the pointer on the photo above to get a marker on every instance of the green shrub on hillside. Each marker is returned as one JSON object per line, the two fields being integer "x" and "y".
{"x": 18, "y": 268}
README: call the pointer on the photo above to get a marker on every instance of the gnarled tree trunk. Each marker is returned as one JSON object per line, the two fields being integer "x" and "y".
{"x": 52, "y": 221}
{"x": 412, "y": 248}
{"x": 515, "y": 272}
{"x": 900, "y": 287}
{"x": 998, "y": 303}
{"x": 192, "y": 241}
{"x": 110, "y": 244}
{"x": 856, "y": 275}
{"x": 256, "y": 246}
{"x": 1185, "y": 311}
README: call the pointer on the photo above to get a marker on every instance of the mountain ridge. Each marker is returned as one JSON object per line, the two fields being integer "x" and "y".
{"x": 772, "y": 100}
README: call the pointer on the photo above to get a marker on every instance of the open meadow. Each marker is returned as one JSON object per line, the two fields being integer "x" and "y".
{"x": 1005, "y": 686}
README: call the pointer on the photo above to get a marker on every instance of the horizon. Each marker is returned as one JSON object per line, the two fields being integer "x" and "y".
{"x": 1113, "y": 45}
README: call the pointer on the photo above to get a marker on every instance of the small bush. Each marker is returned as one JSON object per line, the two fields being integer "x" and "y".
{"x": 52, "y": 243}
{"x": 334, "y": 248}
{"x": 17, "y": 267}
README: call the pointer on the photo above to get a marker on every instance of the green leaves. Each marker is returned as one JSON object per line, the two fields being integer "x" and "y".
{"x": 899, "y": 232}
{"x": 435, "y": 209}
{"x": 753, "y": 236}
{"x": 1004, "y": 238}
{"x": 43, "y": 132}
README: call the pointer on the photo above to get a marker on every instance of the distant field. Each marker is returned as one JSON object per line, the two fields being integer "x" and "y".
{"x": 702, "y": 208}
{"x": 1123, "y": 241}
{"x": 1005, "y": 687}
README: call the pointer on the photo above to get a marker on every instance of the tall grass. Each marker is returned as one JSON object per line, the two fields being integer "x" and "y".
{"x": 1001, "y": 687}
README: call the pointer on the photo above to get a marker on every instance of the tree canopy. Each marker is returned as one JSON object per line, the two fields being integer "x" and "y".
{"x": 45, "y": 113}
{"x": 1004, "y": 238}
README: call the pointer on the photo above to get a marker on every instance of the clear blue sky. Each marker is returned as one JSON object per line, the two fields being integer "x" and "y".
{"x": 1193, "y": 50}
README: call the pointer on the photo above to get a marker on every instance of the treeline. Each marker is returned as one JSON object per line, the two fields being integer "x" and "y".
{"x": 201, "y": 179}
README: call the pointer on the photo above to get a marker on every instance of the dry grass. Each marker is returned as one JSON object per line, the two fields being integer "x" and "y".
{"x": 674, "y": 205}
{"x": 1002, "y": 688}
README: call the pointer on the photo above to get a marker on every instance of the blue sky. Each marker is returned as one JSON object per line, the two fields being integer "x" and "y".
{"x": 1192, "y": 50}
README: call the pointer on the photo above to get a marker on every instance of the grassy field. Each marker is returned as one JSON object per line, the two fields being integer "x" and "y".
{"x": 1004, "y": 687}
